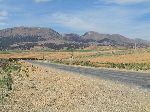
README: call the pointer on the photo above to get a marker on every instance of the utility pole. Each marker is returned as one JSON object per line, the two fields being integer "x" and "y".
{"x": 43, "y": 53}
{"x": 135, "y": 46}
{"x": 72, "y": 55}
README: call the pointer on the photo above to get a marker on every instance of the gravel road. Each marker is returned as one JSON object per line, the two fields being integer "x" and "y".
{"x": 40, "y": 87}
{"x": 141, "y": 80}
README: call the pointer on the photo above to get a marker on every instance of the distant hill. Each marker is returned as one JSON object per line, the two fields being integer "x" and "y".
{"x": 30, "y": 37}
{"x": 27, "y": 37}
{"x": 117, "y": 40}
{"x": 72, "y": 37}
{"x": 113, "y": 39}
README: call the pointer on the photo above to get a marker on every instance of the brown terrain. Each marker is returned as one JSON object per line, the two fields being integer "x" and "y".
{"x": 41, "y": 89}
{"x": 92, "y": 56}
{"x": 50, "y": 90}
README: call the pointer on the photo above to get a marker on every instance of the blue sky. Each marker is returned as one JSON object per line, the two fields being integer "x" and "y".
{"x": 130, "y": 18}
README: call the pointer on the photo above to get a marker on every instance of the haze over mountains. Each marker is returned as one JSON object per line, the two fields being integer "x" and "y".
{"x": 31, "y": 37}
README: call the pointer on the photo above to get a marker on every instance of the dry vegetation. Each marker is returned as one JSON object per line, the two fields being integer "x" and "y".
{"x": 47, "y": 55}
{"x": 127, "y": 58}
{"x": 107, "y": 57}
{"x": 38, "y": 89}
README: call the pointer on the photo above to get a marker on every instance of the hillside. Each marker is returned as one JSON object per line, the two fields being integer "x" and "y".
{"x": 26, "y": 37}
{"x": 113, "y": 39}
{"x": 31, "y": 37}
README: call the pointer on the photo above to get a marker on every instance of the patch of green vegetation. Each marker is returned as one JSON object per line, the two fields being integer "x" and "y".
{"x": 131, "y": 66}
{"x": 5, "y": 52}
{"x": 103, "y": 54}
{"x": 127, "y": 66}
{"x": 6, "y": 82}
{"x": 147, "y": 50}
{"x": 83, "y": 50}
{"x": 13, "y": 51}
{"x": 7, "y": 69}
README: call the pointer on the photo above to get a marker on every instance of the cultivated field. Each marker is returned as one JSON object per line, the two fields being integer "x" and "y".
{"x": 107, "y": 57}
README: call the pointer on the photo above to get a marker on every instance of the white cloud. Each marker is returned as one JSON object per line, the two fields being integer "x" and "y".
{"x": 71, "y": 21}
{"x": 124, "y": 1}
{"x": 3, "y": 13}
{"x": 111, "y": 20}
{"x": 3, "y": 17}
{"x": 2, "y": 23}
{"x": 105, "y": 20}
{"x": 38, "y": 1}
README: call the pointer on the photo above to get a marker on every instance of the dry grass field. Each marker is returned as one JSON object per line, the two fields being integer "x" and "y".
{"x": 127, "y": 58}
{"x": 100, "y": 57}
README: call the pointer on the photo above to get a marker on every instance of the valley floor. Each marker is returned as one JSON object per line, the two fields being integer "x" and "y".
{"x": 39, "y": 89}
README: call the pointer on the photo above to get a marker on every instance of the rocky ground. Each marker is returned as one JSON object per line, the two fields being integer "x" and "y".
{"x": 38, "y": 89}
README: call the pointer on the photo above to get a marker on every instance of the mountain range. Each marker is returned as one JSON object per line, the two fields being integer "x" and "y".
{"x": 32, "y": 37}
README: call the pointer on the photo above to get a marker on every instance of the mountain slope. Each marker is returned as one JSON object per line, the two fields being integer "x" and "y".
{"x": 72, "y": 37}
{"x": 94, "y": 36}
{"x": 31, "y": 37}
{"x": 45, "y": 33}
{"x": 113, "y": 39}
{"x": 23, "y": 36}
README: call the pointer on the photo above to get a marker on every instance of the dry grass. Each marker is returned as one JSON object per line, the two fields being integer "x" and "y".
{"x": 128, "y": 58}
{"x": 103, "y": 57}
{"x": 47, "y": 55}
{"x": 50, "y": 90}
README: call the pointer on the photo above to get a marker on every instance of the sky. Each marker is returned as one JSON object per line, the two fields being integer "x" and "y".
{"x": 130, "y": 18}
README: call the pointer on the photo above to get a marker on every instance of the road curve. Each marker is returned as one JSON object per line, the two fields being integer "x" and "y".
{"x": 141, "y": 80}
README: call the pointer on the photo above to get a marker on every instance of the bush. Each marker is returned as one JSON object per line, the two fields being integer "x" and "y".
{"x": 130, "y": 66}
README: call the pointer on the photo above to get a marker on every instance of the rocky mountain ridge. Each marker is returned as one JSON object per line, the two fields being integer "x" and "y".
{"x": 30, "y": 37}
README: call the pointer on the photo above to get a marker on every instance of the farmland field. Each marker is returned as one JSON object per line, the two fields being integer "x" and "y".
{"x": 103, "y": 57}
{"x": 25, "y": 86}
